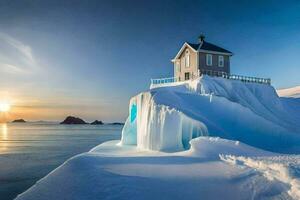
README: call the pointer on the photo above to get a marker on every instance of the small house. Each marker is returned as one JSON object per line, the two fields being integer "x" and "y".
{"x": 203, "y": 57}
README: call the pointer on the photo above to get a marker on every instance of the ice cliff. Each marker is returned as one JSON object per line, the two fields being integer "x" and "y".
{"x": 159, "y": 127}
{"x": 167, "y": 117}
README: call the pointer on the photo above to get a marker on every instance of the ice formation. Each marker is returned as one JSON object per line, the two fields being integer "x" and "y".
{"x": 167, "y": 118}
{"x": 158, "y": 127}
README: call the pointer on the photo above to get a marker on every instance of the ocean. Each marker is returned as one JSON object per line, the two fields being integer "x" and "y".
{"x": 29, "y": 151}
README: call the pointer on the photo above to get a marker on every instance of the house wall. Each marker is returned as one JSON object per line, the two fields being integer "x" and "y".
{"x": 192, "y": 69}
{"x": 214, "y": 67}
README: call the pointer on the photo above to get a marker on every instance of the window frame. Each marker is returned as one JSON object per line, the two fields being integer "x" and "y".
{"x": 220, "y": 56}
{"x": 187, "y": 59}
{"x": 211, "y": 59}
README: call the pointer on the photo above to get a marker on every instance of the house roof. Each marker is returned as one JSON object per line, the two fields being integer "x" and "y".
{"x": 208, "y": 47}
{"x": 203, "y": 46}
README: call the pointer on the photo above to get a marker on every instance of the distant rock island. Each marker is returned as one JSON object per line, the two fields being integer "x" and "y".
{"x": 77, "y": 120}
{"x": 116, "y": 123}
{"x": 96, "y": 122}
{"x": 19, "y": 121}
{"x": 73, "y": 120}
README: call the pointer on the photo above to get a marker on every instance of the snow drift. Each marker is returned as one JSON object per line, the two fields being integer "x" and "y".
{"x": 275, "y": 168}
{"x": 166, "y": 118}
{"x": 213, "y": 147}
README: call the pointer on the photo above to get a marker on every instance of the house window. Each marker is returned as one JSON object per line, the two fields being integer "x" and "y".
{"x": 187, "y": 76}
{"x": 187, "y": 59}
{"x": 208, "y": 59}
{"x": 177, "y": 66}
{"x": 221, "y": 61}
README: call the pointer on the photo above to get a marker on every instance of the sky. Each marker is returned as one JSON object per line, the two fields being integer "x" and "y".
{"x": 87, "y": 58}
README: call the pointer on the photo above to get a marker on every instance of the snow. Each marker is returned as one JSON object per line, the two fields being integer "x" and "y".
{"x": 113, "y": 171}
{"x": 212, "y": 147}
{"x": 209, "y": 138}
{"x": 289, "y": 92}
{"x": 282, "y": 168}
{"x": 168, "y": 117}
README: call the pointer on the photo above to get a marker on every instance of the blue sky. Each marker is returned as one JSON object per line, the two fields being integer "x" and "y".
{"x": 87, "y": 58}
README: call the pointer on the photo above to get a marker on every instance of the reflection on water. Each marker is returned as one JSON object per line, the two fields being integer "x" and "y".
{"x": 3, "y": 131}
{"x": 29, "y": 151}
{"x": 3, "y": 136}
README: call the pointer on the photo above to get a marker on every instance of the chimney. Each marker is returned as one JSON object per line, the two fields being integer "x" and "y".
{"x": 201, "y": 38}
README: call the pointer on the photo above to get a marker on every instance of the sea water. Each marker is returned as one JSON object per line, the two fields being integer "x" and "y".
{"x": 29, "y": 151}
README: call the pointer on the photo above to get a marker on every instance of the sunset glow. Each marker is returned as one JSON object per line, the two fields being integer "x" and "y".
{"x": 4, "y": 107}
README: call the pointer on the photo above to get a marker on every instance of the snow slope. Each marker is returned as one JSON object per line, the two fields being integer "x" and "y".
{"x": 167, "y": 118}
{"x": 114, "y": 171}
{"x": 289, "y": 92}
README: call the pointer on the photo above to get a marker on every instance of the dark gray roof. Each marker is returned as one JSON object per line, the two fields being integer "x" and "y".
{"x": 208, "y": 47}
{"x": 195, "y": 46}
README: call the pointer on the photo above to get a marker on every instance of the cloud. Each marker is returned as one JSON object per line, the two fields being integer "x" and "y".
{"x": 15, "y": 56}
{"x": 11, "y": 68}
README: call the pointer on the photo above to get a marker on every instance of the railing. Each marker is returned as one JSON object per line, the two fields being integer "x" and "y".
{"x": 248, "y": 79}
{"x": 164, "y": 80}
{"x": 251, "y": 79}
{"x": 236, "y": 77}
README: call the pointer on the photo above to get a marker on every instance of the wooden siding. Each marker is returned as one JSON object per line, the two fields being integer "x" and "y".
{"x": 214, "y": 67}
{"x": 192, "y": 69}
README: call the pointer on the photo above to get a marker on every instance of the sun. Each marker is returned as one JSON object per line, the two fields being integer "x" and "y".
{"x": 4, "y": 107}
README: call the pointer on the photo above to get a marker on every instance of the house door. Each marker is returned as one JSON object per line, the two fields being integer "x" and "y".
{"x": 187, "y": 76}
